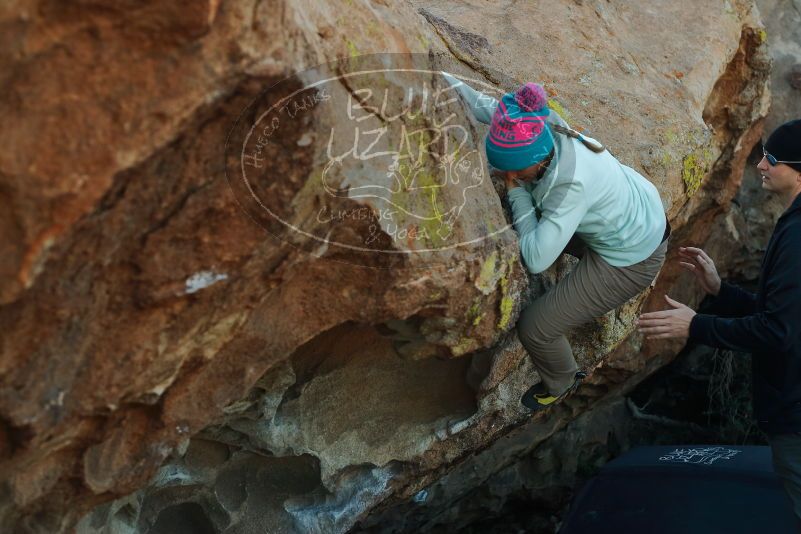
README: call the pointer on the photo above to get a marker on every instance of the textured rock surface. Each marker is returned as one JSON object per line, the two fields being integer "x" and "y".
{"x": 536, "y": 482}
{"x": 142, "y": 307}
{"x": 742, "y": 234}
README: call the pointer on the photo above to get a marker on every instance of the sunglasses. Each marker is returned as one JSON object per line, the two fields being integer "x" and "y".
{"x": 772, "y": 159}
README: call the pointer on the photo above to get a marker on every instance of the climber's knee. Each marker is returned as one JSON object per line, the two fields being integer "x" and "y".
{"x": 535, "y": 329}
{"x": 534, "y": 338}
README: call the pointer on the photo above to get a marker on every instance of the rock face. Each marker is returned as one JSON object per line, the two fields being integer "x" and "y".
{"x": 187, "y": 348}
{"x": 742, "y": 234}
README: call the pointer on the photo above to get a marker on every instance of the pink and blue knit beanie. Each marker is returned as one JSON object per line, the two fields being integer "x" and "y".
{"x": 519, "y": 135}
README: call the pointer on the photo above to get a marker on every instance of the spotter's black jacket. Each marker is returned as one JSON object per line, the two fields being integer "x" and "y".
{"x": 768, "y": 325}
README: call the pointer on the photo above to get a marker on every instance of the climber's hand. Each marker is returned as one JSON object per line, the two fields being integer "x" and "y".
{"x": 507, "y": 177}
{"x": 699, "y": 263}
{"x": 672, "y": 323}
{"x": 511, "y": 182}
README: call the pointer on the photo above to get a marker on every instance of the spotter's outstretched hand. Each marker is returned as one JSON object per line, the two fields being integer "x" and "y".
{"x": 701, "y": 265}
{"x": 667, "y": 324}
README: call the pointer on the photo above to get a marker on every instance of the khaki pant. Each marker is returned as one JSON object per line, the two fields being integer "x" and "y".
{"x": 590, "y": 290}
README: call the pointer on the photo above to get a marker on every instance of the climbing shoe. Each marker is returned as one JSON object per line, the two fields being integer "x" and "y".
{"x": 537, "y": 397}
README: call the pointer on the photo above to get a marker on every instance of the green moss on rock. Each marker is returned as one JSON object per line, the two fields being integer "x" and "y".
{"x": 559, "y": 109}
{"x": 695, "y": 167}
{"x": 488, "y": 277}
{"x": 507, "y": 302}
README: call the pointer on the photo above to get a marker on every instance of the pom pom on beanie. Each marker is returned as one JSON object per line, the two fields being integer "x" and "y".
{"x": 531, "y": 97}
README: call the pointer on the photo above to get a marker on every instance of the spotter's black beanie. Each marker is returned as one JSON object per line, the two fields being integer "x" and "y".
{"x": 785, "y": 143}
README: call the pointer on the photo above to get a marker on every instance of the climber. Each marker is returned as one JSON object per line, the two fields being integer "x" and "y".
{"x": 568, "y": 194}
{"x": 765, "y": 323}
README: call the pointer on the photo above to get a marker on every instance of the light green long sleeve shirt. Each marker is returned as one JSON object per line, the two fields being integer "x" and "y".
{"x": 615, "y": 210}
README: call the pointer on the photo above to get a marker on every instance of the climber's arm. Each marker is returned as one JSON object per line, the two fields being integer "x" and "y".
{"x": 542, "y": 241}
{"x": 481, "y": 105}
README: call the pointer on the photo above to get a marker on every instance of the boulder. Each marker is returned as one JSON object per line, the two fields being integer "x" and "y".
{"x": 214, "y": 321}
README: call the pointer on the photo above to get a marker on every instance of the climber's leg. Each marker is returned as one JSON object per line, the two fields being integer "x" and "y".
{"x": 590, "y": 290}
{"x": 559, "y": 368}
